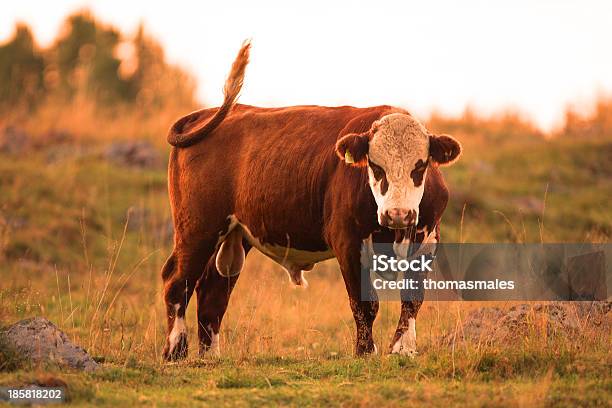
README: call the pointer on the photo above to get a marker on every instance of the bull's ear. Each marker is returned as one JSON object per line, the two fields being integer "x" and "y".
{"x": 353, "y": 148}
{"x": 444, "y": 149}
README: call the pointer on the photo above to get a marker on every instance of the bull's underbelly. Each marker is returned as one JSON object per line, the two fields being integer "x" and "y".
{"x": 293, "y": 260}
{"x": 292, "y": 257}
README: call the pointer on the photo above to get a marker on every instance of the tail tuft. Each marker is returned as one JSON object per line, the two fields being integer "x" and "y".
{"x": 235, "y": 79}
{"x": 231, "y": 91}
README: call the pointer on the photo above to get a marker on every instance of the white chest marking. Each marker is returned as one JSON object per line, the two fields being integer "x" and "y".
{"x": 428, "y": 246}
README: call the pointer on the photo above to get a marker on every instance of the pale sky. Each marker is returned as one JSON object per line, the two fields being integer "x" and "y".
{"x": 533, "y": 56}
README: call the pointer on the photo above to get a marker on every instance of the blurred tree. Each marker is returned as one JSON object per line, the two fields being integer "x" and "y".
{"x": 21, "y": 71}
{"x": 94, "y": 65}
{"x": 86, "y": 61}
{"x": 596, "y": 123}
{"x": 158, "y": 84}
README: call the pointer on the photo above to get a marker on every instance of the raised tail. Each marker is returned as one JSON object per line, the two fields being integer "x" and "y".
{"x": 231, "y": 91}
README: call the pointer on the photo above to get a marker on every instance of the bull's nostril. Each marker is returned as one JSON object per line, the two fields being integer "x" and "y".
{"x": 385, "y": 219}
{"x": 396, "y": 218}
{"x": 411, "y": 217}
{"x": 393, "y": 213}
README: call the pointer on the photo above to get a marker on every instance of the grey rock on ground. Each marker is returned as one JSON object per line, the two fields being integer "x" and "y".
{"x": 135, "y": 153}
{"x": 42, "y": 342}
{"x": 494, "y": 325}
{"x": 141, "y": 218}
{"x": 64, "y": 152}
{"x": 529, "y": 204}
{"x": 14, "y": 140}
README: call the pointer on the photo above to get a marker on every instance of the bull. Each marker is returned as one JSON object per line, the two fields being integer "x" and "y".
{"x": 301, "y": 184}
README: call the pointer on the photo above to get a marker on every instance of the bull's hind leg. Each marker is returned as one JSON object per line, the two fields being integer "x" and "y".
{"x": 180, "y": 275}
{"x": 214, "y": 291}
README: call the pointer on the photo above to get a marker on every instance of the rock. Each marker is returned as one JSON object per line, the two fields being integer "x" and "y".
{"x": 165, "y": 232}
{"x": 64, "y": 152}
{"x": 469, "y": 198}
{"x": 14, "y": 140}
{"x": 57, "y": 137}
{"x": 137, "y": 153}
{"x": 482, "y": 167}
{"x": 493, "y": 325}
{"x": 143, "y": 219}
{"x": 529, "y": 204}
{"x": 13, "y": 222}
{"x": 40, "y": 342}
{"x": 139, "y": 217}
{"x": 597, "y": 308}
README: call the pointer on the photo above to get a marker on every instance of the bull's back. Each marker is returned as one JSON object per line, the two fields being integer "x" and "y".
{"x": 270, "y": 167}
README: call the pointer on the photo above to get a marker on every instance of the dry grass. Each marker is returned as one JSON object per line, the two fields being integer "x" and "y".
{"x": 87, "y": 123}
{"x": 277, "y": 339}
{"x": 72, "y": 250}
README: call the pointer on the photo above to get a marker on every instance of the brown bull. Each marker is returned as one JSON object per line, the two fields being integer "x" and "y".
{"x": 301, "y": 184}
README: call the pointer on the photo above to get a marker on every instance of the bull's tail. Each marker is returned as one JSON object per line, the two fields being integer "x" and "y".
{"x": 231, "y": 91}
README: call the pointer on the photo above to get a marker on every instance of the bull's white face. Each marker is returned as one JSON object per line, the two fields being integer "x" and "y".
{"x": 397, "y": 166}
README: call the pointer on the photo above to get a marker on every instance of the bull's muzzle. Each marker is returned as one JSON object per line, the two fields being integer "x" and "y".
{"x": 398, "y": 218}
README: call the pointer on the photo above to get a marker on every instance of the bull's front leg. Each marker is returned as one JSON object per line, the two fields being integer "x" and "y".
{"x": 363, "y": 301}
{"x": 404, "y": 340}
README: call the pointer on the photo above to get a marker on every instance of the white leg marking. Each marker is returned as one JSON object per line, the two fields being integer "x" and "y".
{"x": 177, "y": 329}
{"x": 406, "y": 344}
{"x": 215, "y": 349}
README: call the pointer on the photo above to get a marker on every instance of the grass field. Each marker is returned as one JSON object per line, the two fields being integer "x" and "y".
{"x": 82, "y": 242}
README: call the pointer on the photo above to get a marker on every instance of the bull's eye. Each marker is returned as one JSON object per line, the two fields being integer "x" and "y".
{"x": 418, "y": 172}
{"x": 378, "y": 171}
{"x": 380, "y": 176}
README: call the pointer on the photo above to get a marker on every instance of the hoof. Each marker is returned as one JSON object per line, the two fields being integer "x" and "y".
{"x": 368, "y": 350}
{"x": 405, "y": 352}
{"x": 208, "y": 351}
{"x": 177, "y": 351}
{"x": 404, "y": 341}
{"x": 209, "y": 343}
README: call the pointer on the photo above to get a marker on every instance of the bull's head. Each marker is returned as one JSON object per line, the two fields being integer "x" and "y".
{"x": 397, "y": 151}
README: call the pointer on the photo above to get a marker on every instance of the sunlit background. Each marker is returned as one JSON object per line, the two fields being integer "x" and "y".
{"x": 535, "y": 57}
{"x": 88, "y": 91}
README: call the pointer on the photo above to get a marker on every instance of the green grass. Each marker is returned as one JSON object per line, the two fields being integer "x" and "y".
{"x": 43, "y": 201}
{"x": 345, "y": 381}
{"x": 72, "y": 250}
{"x": 570, "y": 179}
